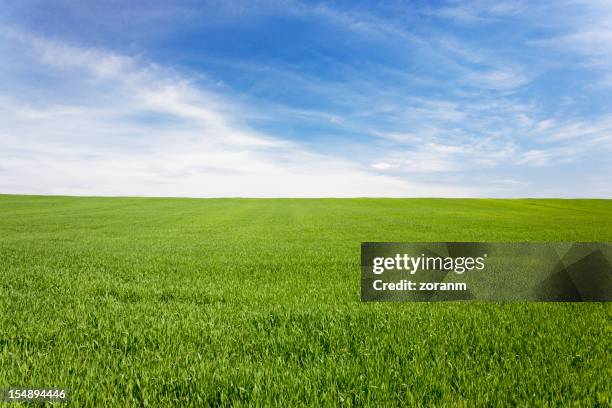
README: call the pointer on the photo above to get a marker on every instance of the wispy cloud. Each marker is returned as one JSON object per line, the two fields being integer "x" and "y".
{"x": 66, "y": 148}
{"x": 581, "y": 29}
{"x": 479, "y": 11}
{"x": 287, "y": 98}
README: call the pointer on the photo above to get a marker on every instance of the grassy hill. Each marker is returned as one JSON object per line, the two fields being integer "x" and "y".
{"x": 194, "y": 302}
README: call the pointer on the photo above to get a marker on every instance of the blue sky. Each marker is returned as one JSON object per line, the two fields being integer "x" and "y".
{"x": 289, "y": 98}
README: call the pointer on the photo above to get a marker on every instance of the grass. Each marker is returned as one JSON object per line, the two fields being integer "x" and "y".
{"x": 197, "y": 302}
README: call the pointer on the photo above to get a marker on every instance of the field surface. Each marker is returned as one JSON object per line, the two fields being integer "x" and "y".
{"x": 198, "y": 302}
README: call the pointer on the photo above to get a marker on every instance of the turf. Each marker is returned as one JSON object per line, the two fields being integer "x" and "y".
{"x": 197, "y": 302}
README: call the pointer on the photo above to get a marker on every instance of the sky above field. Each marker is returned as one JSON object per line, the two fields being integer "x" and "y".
{"x": 288, "y": 98}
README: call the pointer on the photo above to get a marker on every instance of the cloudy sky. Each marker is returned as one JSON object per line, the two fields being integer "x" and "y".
{"x": 287, "y": 98}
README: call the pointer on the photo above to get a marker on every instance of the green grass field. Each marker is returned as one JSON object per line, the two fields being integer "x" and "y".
{"x": 196, "y": 302}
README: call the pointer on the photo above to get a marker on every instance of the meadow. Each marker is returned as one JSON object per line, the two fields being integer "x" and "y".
{"x": 219, "y": 302}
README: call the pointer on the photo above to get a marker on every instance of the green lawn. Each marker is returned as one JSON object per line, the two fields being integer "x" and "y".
{"x": 196, "y": 302}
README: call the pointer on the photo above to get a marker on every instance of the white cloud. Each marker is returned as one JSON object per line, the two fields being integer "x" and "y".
{"x": 497, "y": 79}
{"x": 384, "y": 166}
{"x": 480, "y": 11}
{"x": 434, "y": 157}
{"x": 106, "y": 123}
{"x": 547, "y": 157}
{"x": 582, "y": 29}
{"x": 98, "y": 143}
